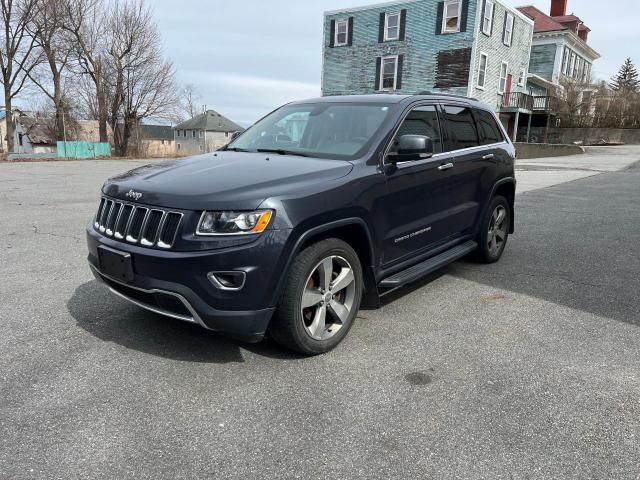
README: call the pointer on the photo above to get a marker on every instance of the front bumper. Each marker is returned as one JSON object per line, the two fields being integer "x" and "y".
{"x": 175, "y": 284}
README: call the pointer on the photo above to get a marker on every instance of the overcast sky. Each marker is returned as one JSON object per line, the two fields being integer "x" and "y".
{"x": 247, "y": 57}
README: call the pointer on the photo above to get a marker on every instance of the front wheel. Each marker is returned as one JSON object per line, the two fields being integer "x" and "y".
{"x": 320, "y": 299}
{"x": 494, "y": 231}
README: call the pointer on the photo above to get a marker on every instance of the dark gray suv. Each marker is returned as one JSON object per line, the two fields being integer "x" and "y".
{"x": 322, "y": 206}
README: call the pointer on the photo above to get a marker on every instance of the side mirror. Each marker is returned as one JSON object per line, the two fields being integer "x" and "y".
{"x": 411, "y": 148}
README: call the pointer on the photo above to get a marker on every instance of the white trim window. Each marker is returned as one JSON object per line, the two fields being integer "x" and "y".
{"x": 565, "y": 61}
{"x": 451, "y": 16}
{"x": 482, "y": 70}
{"x": 342, "y": 33}
{"x": 487, "y": 17}
{"x": 522, "y": 77}
{"x": 507, "y": 37}
{"x": 391, "y": 27}
{"x": 389, "y": 73}
{"x": 504, "y": 71}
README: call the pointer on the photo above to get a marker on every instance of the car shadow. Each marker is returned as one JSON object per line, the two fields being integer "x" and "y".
{"x": 112, "y": 319}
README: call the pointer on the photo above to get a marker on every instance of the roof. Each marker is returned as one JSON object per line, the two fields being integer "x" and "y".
{"x": 542, "y": 21}
{"x": 211, "y": 121}
{"x": 38, "y": 131}
{"x": 157, "y": 132}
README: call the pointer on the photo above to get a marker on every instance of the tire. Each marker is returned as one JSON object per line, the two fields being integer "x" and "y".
{"x": 492, "y": 241}
{"x": 299, "y": 327}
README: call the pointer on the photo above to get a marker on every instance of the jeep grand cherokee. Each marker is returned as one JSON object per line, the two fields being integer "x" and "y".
{"x": 322, "y": 206}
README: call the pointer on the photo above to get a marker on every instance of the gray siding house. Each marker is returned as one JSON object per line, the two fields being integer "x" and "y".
{"x": 204, "y": 133}
{"x": 477, "y": 48}
{"x": 560, "y": 52}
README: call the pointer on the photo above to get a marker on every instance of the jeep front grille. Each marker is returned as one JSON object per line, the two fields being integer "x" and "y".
{"x": 147, "y": 226}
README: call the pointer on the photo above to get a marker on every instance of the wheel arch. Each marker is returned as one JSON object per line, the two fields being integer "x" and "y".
{"x": 353, "y": 231}
{"x": 506, "y": 188}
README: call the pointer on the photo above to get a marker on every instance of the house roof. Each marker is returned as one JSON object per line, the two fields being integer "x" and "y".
{"x": 157, "y": 132}
{"x": 211, "y": 121}
{"x": 38, "y": 131}
{"x": 542, "y": 21}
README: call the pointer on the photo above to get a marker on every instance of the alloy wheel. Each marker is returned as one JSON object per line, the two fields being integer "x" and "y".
{"x": 328, "y": 297}
{"x": 497, "y": 234}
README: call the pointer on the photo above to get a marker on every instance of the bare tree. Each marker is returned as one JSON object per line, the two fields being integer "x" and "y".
{"x": 56, "y": 50}
{"x": 189, "y": 98}
{"x": 86, "y": 23}
{"x": 17, "y": 53}
{"x": 575, "y": 102}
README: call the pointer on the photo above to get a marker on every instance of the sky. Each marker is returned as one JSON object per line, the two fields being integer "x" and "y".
{"x": 247, "y": 57}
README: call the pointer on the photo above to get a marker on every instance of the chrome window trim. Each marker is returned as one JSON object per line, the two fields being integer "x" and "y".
{"x": 195, "y": 318}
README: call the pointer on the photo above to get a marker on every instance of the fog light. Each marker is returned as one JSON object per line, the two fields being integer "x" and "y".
{"x": 230, "y": 281}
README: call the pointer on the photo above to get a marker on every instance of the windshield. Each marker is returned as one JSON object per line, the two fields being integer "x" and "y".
{"x": 327, "y": 130}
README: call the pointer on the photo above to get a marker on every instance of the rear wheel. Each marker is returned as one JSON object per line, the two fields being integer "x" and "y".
{"x": 320, "y": 299}
{"x": 494, "y": 232}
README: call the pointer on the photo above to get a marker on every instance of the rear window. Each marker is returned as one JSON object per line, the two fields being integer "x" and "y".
{"x": 461, "y": 127}
{"x": 488, "y": 128}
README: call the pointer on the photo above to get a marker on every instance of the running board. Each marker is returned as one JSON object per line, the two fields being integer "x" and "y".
{"x": 415, "y": 272}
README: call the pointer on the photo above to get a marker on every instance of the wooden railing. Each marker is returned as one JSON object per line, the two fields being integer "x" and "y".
{"x": 527, "y": 102}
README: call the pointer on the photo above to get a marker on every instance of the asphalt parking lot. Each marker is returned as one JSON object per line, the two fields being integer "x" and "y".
{"x": 524, "y": 369}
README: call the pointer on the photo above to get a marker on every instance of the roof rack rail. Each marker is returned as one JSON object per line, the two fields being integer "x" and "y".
{"x": 427, "y": 92}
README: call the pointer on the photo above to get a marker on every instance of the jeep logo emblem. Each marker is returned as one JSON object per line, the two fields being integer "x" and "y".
{"x": 134, "y": 195}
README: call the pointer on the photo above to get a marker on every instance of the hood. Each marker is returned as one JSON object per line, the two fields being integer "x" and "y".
{"x": 224, "y": 180}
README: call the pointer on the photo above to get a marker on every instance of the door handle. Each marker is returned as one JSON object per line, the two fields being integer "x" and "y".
{"x": 489, "y": 156}
{"x": 446, "y": 166}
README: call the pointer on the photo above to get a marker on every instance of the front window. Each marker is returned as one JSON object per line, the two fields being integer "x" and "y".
{"x": 508, "y": 30}
{"x": 389, "y": 73}
{"x": 342, "y": 33}
{"x": 392, "y": 27}
{"x": 323, "y": 130}
{"x": 451, "y": 17}
{"x": 503, "y": 77}
{"x": 421, "y": 121}
{"x": 487, "y": 17}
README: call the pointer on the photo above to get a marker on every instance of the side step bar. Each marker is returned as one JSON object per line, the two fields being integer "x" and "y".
{"x": 415, "y": 272}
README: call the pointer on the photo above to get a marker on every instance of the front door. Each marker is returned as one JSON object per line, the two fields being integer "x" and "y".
{"x": 416, "y": 200}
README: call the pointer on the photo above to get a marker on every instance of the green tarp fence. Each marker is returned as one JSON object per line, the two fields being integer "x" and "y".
{"x": 83, "y": 149}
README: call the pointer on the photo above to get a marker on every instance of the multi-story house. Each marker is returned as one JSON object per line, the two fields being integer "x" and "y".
{"x": 476, "y": 48}
{"x": 559, "y": 52}
{"x": 204, "y": 133}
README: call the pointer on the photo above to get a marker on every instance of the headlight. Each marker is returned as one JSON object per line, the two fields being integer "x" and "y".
{"x": 233, "y": 223}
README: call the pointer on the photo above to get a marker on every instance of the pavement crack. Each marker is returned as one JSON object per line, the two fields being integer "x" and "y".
{"x": 37, "y": 231}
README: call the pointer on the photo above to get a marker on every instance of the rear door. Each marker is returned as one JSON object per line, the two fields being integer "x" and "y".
{"x": 470, "y": 165}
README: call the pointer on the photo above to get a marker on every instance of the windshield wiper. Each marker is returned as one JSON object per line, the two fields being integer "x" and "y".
{"x": 280, "y": 151}
{"x": 234, "y": 149}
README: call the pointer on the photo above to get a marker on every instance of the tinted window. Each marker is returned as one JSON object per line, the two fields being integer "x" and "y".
{"x": 422, "y": 121}
{"x": 461, "y": 128}
{"x": 487, "y": 128}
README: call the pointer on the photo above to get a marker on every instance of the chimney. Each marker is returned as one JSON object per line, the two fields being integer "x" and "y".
{"x": 583, "y": 33}
{"x": 558, "y": 8}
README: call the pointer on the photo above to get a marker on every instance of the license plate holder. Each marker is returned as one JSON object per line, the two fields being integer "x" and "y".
{"x": 115, "y": 264}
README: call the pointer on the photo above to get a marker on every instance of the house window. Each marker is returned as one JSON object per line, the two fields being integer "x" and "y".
{"x": 200, "y": 147}
{"x": 507, "y": 38}
{"x": 20, "y": 141}
{"x": 177, "y": 133}
{"x": 200, "y": 133}
{"x": 392, "y": 27}
{"x": 389, "y": 73}
{"x": 193, "y": 133}
{"x": 179, "y": 146}
{"x": 487, "y": 17}
{"x": 342, "y": 33}
{"x": 482, "y": 70}
{"x": 504, "y": 69}
{"x": 451, "y": 17}
{"x": 226, "y": 134}
{"x": 521, "y": 78}
{"x": 565, "y": 61}
{"x": 572, "y": 65}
